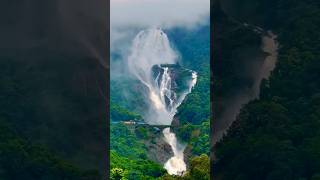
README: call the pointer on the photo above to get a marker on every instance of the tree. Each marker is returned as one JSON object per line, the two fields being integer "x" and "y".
{"x": 118, "y": 174}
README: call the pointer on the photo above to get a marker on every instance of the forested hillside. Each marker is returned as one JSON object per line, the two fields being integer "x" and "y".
{"x": 277, "y": 136}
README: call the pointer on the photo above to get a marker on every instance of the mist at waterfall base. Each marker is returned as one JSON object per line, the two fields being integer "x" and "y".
{"x": 153, "y": 62}
{"x": 175, "y": 165}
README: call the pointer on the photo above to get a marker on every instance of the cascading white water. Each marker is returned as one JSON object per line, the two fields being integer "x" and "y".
{"x": 175, "y": 165}
{"x": 165, "y": 88}
{"x": 152, "y": 48}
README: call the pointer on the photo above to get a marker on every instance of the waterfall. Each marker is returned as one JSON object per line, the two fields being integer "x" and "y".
{"x": 151, "y": 47}
{"x": 150, "y": 52}
{"x": 175, "y": 165}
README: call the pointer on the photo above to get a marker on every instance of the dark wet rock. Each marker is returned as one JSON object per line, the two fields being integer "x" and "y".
{"x": 158, "y": 150}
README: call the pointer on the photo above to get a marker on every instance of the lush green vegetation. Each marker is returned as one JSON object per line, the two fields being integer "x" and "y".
{"x": 277, "y": 136}
{"x": 118, "y": 113}
{"x": 129, "y": 154}
{"x": 196, "y": 106}
{"x": 136, "y": 168}
{"x": 126, "y": 142}
{"x": 125, "y": 96}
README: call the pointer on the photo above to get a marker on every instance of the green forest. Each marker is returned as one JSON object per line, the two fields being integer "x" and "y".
{"x": 276, "y": 136}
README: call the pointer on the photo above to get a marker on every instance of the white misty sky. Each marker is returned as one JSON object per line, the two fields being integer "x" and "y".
{"x": 163, "y": 13}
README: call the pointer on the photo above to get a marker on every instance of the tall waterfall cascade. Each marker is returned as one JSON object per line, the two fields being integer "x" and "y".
{"x": 155, "y": 64}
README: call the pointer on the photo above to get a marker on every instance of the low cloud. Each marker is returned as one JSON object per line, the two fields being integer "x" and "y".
{"x": 163, "y": 13}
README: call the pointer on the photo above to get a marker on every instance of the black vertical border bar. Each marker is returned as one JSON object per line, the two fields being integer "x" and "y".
{"x": 107, "y": 153}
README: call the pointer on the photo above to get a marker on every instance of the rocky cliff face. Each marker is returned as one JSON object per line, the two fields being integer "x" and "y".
{"x": 158, "y": 150}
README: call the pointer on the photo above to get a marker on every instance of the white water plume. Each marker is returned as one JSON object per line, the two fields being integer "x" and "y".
{"x": 175, "y": 165}
{"x": 151, "y": 53}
